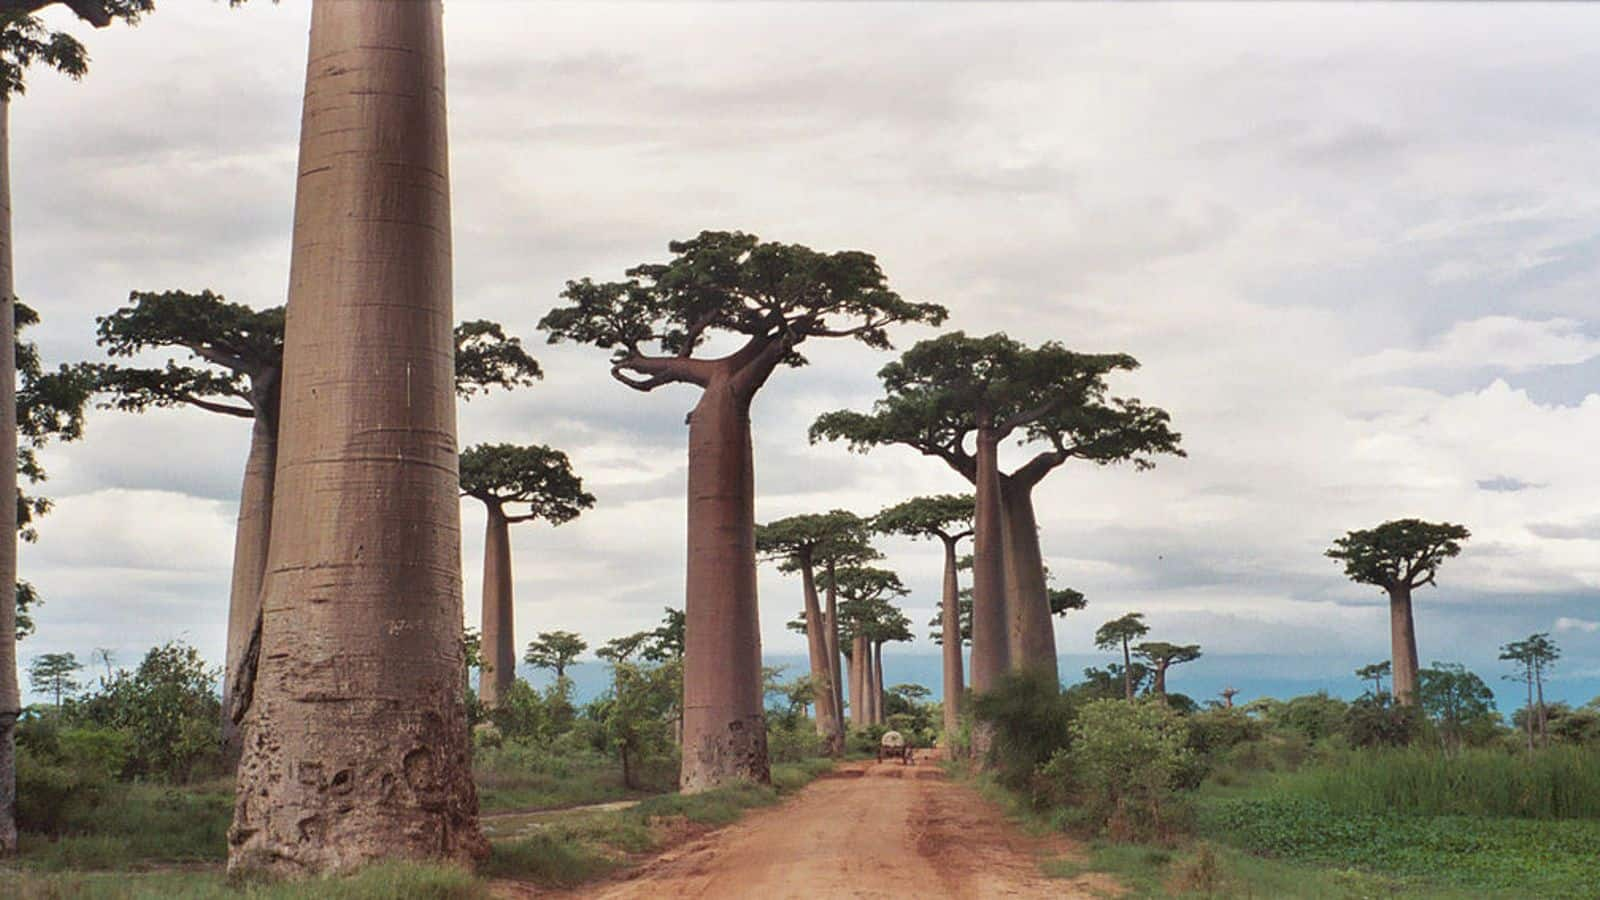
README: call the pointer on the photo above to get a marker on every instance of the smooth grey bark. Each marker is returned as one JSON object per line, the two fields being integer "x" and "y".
{"x": 10, "y": 689}
{"x": 950, "y": 635}
{"x": 1403, "y": 645}
{"x": 990, "y": 651}
{"x": 822, "y": 692}
{"x": 251, "y": 540}
{"x": 724, "y": 729}
{"x": 834, "y": 656}
{"x": 356, "y": 745}
{"x": 1032, "y": 638}
{"x": 498, "y": 646}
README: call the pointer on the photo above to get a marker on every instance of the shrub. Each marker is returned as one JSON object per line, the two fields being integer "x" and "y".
{"x": 792, "y": 743}
{"x": 1123, "y": 768}
{"x": 1380, "y": 722}
{"x": 169, "y": 711}
{"x": 1031, "y": 721}
{"x": 51, "y": 796}
{"x": 1315, "y": 716}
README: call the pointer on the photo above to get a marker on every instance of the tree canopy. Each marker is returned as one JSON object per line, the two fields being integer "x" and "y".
{"x": 1400, "y": 554}
{"x": 50, "y": 406}
{"x": 946, "y": 516}
{"x": 555, "y": 650}
{"x": 1163, "y": 655}
{"x": 774, "y": 295}
{"x": 236, "y": 354}
{"x": 533, "y": 477}
{"x": 938, "y": 391}
{"x": 839, "y": 536}
{"x": 1117, "y": 633}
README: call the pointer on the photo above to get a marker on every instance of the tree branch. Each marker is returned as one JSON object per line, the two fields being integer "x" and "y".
{"x": 243, "y": 412}
{"x": 1034, "y": 470}
{"x": 662, "y": 370}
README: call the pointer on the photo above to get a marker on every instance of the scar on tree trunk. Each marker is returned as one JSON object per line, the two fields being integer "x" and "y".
{"x": 355, "y": 746}
{"x": 725, "y": 735}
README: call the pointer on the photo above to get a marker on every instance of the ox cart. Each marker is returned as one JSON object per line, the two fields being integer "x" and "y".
{"x": 893, "y": 745}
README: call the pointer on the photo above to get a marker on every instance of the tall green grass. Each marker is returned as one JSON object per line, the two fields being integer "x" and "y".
{"x": 1555, "y": 783}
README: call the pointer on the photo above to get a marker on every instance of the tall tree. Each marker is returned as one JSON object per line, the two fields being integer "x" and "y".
{"x": 1399, "y": 556}
{"x": 1162, "y": 656}
{"x": 554, "y": 650}
{"x": 356, "y": 747}
{"x": 943, "y": 390}
{"x": 1533, "y": 657}
{"x": 55, "y": 674}
{"x": 1118, "y": 634}
{"x": 1455, "y": 699}
{"x": 890, "y": 625}
{"x": 514, "y": 484}
{"x": 234, "y": 367}
{"x": 773, "y": 297}
{"x": 947, "y": 517}
{"x": 864, "y": 593}
{"x": 1375, "y": 673}
{"x": 799, "y": 543}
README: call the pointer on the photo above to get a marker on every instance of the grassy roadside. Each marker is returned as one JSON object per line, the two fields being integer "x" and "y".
{"x": 565, "y": 852}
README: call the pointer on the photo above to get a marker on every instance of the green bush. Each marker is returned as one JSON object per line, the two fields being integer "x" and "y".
{"x": 1379, "y": 722}
{"x": 1030, "y": 720}
{"x": 52, "y": 796}
{"x": 1123, "y": 769}
{"x": 167, "y": 709}
{"x": 792, "y": 743}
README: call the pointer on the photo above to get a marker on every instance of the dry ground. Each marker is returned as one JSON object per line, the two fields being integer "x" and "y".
{"x": 866, "y": 830}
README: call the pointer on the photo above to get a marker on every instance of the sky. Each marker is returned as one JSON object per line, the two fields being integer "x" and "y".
{"x": 1355, "y": 248}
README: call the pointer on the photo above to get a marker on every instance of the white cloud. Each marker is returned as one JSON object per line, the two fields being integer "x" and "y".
{"x": 1566, "y": 623}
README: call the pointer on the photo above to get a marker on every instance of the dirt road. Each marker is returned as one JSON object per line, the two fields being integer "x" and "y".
{"x": 867, "y": 830}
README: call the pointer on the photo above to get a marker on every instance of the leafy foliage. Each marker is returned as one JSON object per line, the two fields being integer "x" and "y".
{"x": 1400, "y": 554}
{"x": 166, "y": 707}
{"x": 1461, "y": 705}
{"x": 534, "y": 477}
{"x": 554, "y": 650}
{"x": 486, "y": 357}
{"x": 1124, "y": 766}
{"x": 55, "y": 674}
{"x": 1031, "y": 721}
{"x": 947, "y": 516}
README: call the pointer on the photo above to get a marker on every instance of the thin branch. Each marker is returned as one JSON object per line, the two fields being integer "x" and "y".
{"x": 243, "y": 412}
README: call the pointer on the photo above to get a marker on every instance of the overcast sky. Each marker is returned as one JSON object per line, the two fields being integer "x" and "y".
{"x": 1357, "y": 250}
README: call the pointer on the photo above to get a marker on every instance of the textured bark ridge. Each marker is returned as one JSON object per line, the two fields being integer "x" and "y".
{"x": 950, "y": 634}
{"x": 724, "y": 730}
{"x": 356, "y": 743}
{"x": 10, "y": 690}
{"x": 499, "y": 641}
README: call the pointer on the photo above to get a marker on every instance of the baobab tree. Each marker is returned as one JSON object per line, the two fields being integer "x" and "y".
{"x": 1533, "y": 656}
{"x": 864, "y": 593}
{"x": 991, "y": 388}
{"x": 890, "y": 625}
{"x": 234, "y": 367}
{"x": 356, "y": 747}
{"x": 1399, "y": 556}
{"x": 1162, "y": 656}
{"x": 947, "y": 517}
{"x": 515, "y": 484}
{"x": 1118, "y": 634}
{"x": 555, "y": 650}
{"x": 1375, "y": 673}
{"x": 799, "y": 543}
{"x": 1227, "y": 694}
{"x": 773, "y": 297}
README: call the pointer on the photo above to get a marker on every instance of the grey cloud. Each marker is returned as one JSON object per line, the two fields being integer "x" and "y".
{"x": 1587, "y": 530}
{"x": 1505, "y": 484}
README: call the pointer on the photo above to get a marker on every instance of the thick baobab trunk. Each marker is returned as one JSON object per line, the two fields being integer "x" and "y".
{"x": 821, "y": 671}
{"x": 499, "y": 644}
{"x": 251, "y": 539}
{"x": 1032, "y": 637}
{"x": 989, "y": 631}
{"x": 860, "y": 715}
{"x": 835, "y": 658}
{"x": 950, "y": 634}
{"x": 1403, "y": 646}
{"x": 869, "y": 686}
{"x": 724, "y": 732}
{"x": 10, "y": 690}
{"x": 356, "y": 743}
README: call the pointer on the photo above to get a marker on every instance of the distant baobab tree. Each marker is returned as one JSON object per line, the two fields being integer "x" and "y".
{"x": 1375, "y": 673}
{"x": 1399, "y": 556}
{"x": 1163, "y": 656}
{"x": 1227, "y": 694}
{"x": 1118, "y": 634}
{"x": 947, "y": 517}
{"x": 992, "y": 388}
{"x": 515, "y": 484}
{"x": 773, "y": 297}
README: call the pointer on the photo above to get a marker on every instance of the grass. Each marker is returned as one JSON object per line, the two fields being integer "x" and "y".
{"x": 518, "y": 776}
{"x": 138, "y": 825}
{"x": 587, "y": 846}
{"x": 1555, "y": 783}
{"x": 381, "y": 882}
